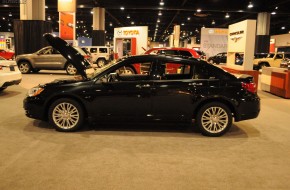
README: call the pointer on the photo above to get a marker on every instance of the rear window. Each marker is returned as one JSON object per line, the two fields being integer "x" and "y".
{"x": 103, "y": 50}
{"x": 207, "y": 71}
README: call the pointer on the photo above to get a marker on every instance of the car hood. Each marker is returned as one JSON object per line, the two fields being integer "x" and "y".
{"x": 68, "y": 52}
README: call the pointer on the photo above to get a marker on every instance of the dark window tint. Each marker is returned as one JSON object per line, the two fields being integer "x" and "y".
{"x": 168, "y": 52}
{"x": 279, "y": 56}
{"x": 185, "y": 53}
{"x": 103, "y": 50}
{"x": 207, "y": 71}
{"x": 94, "y": 50}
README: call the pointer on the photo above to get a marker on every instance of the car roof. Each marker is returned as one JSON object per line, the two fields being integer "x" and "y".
{"x": 163, "y": 58}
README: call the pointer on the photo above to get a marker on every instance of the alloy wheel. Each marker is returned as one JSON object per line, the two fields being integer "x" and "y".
{"x": 214, "y": 119}
{"x": 65, "y": 115}
{"x": 70, "y": 69}
{"x": 24, "y": 67}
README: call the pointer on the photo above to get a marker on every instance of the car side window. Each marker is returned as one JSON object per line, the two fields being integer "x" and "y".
{"x": 185, "y": 53}
{"x": 94, "y": 50}
{"x": 174, "y": 71}
{"x": 103, "y": 50}
{"x": 279, "y": 56}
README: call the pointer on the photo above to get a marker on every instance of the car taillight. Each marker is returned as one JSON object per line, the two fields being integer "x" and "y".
{"x": 251, "y": 87}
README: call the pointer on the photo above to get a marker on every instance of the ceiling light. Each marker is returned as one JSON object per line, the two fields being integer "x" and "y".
{"x": 273, "y": 13}
{"x": 161, "y": 3}
{"x": 92, "y": 12}
{"x": 128, "y": 16}
{"x": 10, "y": 14}
{"x": 111, "y": 24}
{"x": 160, "y": 13}
{"x": 198, "y": 10}
{"x": 122, "y": 8}
{"x": 188, "y": 18}
{"x": 227, "y": 15}
{"x": 182, "y": 24}
{"x": 46, "y": 6}
{"x": 82, "y": 6}
{"x": 158, "y": 20}
{"x": 132, "y": 22}
{"x": 250, "y": 5}
{"x": 203, "y": 26}
{"x": 276, "y": 8}
{"x": 213, "y": 22}
{"x": 283, "y": 27}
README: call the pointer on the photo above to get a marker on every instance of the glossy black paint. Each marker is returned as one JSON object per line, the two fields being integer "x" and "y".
{"x": 219, "y": 58}
{"x": 149, "y": 97}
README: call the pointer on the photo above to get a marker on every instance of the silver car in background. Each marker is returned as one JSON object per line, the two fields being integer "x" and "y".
{"x": 46, "y": 58}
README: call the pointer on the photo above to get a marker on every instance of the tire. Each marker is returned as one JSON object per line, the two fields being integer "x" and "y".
{"x": 66, "y": 115}
{"x": 70, "y": 69}
{"x": 211, "y": 61}
{"x": 214, "y": 119}
{"x": 24, "y": 67}
{"x": 101, "y": 62}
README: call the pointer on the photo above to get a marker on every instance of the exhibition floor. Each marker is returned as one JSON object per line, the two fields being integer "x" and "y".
{"x": 254, "y": 154}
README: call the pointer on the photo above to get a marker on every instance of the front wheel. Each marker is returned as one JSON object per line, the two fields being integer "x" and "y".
{"x": 70, "y": 69}
{"x": 214, "y": 119}
{"x": 24, "y": 67}
{"x": 66, "y": 115}
{"x": 101, "y": 62}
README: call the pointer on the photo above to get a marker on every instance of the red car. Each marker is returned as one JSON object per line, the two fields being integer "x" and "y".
{"x": 173, "y": 51}
{"x": 6, "y": 54}
{"x": 170, "y": 68}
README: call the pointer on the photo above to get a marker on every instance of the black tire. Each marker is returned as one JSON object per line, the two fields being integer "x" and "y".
{"x": 70, "y": 69}
{"x": 66, "y": 115}
{"x": 214, "y": 119}
{"x": 24, "y": 67}
{"x": 211, "y": 61}
{"x": 101, "y": 62}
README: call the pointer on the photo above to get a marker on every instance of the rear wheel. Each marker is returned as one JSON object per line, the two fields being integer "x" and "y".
{"x": 24, "y": 67}
{"x": 101, "y": 62}
{"x": 214, "y": 119}
{"x": 66, "y": 115}
{"x": 70, "y": 69}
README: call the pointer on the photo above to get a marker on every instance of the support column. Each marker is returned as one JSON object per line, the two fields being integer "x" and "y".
{"x": 171, "y": 39}
{"x": 98, "y": 26}
{"x": 29, "y": 30}
{"x": 176, "y": 35}
{"x": 263, "y": 29}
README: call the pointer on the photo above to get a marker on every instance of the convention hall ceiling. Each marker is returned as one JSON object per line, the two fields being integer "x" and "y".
{"x": 191, "y": 15}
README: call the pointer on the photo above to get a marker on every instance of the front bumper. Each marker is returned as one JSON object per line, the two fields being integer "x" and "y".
{"x": 34, "y": 108}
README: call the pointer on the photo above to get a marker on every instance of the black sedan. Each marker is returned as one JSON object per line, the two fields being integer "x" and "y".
{"x": 218, "y": 58}
{"x": 197, "y": 91}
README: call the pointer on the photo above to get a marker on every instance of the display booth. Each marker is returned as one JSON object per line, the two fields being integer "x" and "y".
{"x": 241, "y": 46}
{"x": 214, "y": 41}
{"x": 130, "y": 40}
{"x": 276, "y": 81}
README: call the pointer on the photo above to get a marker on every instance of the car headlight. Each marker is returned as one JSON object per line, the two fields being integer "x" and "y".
{"x": 35, "y": 91}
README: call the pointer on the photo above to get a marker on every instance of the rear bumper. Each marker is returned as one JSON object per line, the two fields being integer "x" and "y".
{"x": 8, "y": 79}
{"x": 248, "y": 109}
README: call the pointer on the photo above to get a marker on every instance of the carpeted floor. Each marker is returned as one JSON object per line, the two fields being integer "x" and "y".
{"x": 254, "y": 154}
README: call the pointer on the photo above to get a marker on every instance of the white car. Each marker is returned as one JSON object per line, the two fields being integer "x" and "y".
{"x": 9, "y": 73}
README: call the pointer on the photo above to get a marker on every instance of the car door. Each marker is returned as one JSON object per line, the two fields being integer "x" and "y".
{"x": 128, "y": 97}
{"x": 48, "y": 58}
{"x": 172, "y": 95}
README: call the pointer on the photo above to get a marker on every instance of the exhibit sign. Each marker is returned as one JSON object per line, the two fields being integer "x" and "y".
{"x": 67, "y": 25}
{"x": 241, "y": 44}
{"x": 213, "y": 41}
{"x": 136, "y": 36}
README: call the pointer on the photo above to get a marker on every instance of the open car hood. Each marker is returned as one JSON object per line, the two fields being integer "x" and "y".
{"x": 68, "y": 52}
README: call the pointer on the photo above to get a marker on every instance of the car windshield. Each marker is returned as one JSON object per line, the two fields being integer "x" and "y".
{"x": 98, "y": 71}
{"x": 270, "y": 55}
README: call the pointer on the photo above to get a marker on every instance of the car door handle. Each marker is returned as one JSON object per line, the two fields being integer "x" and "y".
{"x": 143, "y": 86}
